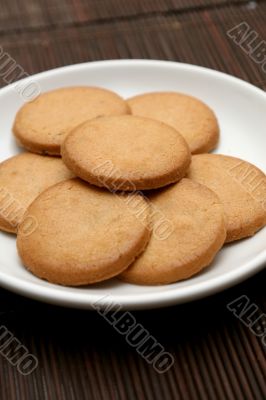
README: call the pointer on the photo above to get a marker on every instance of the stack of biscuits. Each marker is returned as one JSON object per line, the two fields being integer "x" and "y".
{"x": 124, "y": 188}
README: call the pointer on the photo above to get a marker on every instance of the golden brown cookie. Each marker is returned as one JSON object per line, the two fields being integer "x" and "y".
{"x": 41, "y": 125}
{"x": 22, "y": 179}
{"x": 84, "y": 234}
{"x": 126, "y": 153}
{"x": 196, "y": 234}
{"x": 241, "y": 187}
{"x": 188, "y": 115}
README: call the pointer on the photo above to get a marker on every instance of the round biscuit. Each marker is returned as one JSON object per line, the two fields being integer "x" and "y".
{"x": 41, "y": 125}
{"x": 241, "y": 188}
{"x": 84, "y": 234}
{"x": 22, "y": 179}
{"x": 188, "y": 231}
{"x": 126, "y": 153}
{"x": 188, "y": 115}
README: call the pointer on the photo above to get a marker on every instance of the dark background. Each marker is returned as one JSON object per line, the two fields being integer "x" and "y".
{"x": 80, "y": 355}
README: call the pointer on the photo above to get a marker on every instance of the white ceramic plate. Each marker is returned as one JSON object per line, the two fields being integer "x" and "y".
{"x": 240, "y": 108}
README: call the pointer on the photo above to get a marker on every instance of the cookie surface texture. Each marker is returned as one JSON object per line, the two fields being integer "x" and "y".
{"x": 188, "y": 115}
{"x": 41, "y": 125}
{"x": 195, "y": 233}
{"x": 84, "y": 234}
{"x": 22, "y": 179}
{"x": 241, "y": 188}
{"x": 126, "y": 153}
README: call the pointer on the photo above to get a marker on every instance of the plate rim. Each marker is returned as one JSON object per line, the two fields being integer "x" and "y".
{"x": 143, "y": 301}
{"x": 143, "y": 62}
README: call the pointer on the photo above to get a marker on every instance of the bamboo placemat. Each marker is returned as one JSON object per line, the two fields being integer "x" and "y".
{"x": 80, "y": 356}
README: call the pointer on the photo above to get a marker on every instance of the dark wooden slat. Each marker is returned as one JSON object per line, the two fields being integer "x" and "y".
{"x": 82, "y": 357}
{"x": 197, "y": 38}
{"x": 41, "y": 14}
